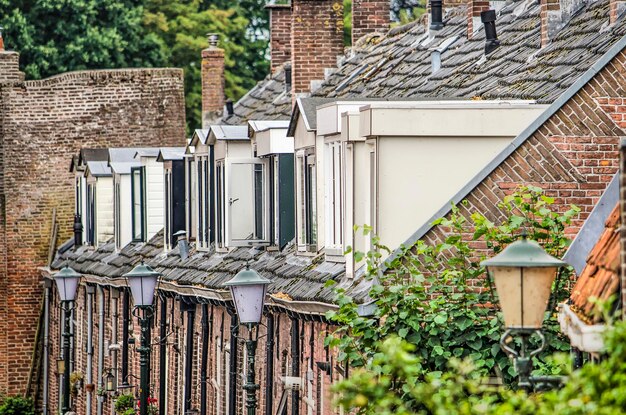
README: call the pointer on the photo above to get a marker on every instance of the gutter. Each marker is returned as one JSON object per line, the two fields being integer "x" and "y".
{"x": 514, "y": 145}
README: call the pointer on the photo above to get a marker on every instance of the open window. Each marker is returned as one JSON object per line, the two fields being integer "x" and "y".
{"x": 306, "y": 202}
{"x": 139, "y": 203}
{"x": 242, "y": 187}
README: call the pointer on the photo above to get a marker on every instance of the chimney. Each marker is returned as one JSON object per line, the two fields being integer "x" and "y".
{"x": 436, "y": 14}
{"x": 280, "y": 34}
{"x": 474, "y": 8}
{"x": 555, "y": 14}
{"x": 316, "y": 40}
{"x": 9, "y": 64}
{"x": 212, "y": 81}
{"x": 488, "y": 17}
{"x": 369, "y": 16}
{"x": 616, "y": 9}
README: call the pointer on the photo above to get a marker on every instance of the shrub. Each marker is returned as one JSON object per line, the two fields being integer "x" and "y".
{"x": 17, "y": 405}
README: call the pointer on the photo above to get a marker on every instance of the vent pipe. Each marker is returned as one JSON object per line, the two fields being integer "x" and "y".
{"x": 78, "y": 229}
{"x": 288, "y": 78}
{"x": 213, "y": 38}
{"x": 183, "y": 246}
{"x": 230, "y": 109}
{"x": 488, "y": 17}
{"x": 436, "y": 14}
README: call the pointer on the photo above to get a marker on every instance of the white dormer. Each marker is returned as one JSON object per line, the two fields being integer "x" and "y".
{"x": 270, "y": 142}
{"x": 78, "y": 167}
{"x": 200, "y": 187}
{"x": 121, "y": 161}
{"x": 173, "y": 162}
{"x": 241, "y": 189}
{"x": 147, "y": 193}
{"x": 99, "y": 203}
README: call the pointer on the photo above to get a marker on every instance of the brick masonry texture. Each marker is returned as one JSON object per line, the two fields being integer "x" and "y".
{"x": 212, "y": 74}
{"x": 42, "y": 124}
{"x": 369, "y": 16}
{"x": 280, "y": 35}
{"x": 572, "y": 156}
{"x": 317, "y": 40}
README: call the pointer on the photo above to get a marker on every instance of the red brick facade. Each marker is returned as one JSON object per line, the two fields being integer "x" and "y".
{"x": 280, "y": 35}
{"x": 317, "y": 40}
{"x": 212, "y": 85}
{"x": 474, "y": 7}
{"x": 369, "y": 16}
{"x": 42, "y": 125}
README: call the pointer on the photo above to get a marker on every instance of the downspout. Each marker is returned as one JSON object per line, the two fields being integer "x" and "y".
{"x": 115, "y": 295}
{"x": 189, "y": 359}
{"x": 90, "y": 292}
{"x": 205, "y": 358}
{"x": 295, "y": 363}
{"x": 269, "y": 373}
{"x": 162, "y": 356}
{"x": 46, "y": 333}
{"x": 232, "y": 379}
{"x": 100, "y": 400}
{"x": 125, "y": 323}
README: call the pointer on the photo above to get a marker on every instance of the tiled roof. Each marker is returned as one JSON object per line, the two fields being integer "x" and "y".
{"x": 400, "y": 64}
{"x": 300, "y": 278}
{"x": 268, "y": 100}
{"x": 600, "y": 277}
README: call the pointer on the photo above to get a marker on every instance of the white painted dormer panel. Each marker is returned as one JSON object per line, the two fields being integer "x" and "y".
{"x": 122, "y": 214}
{"x": 273, "y": 141}
{"x": 104, "y": 209}
{"x": 155, "y": 200}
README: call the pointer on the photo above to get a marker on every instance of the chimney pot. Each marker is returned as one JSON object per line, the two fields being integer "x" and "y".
{"x": 488, "y": 17}
{"x": 213, "y": 38}
{"x": 436, "y": 14}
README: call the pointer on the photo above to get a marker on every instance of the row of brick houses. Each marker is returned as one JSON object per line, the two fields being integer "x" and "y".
{"x": 279, "y": 189}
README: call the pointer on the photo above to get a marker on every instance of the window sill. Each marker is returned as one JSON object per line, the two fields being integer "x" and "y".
{"x": 334, "y": 255}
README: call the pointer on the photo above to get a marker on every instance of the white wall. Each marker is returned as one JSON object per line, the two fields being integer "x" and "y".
{"x": 126, "y": 232}
{"x": 154, "y": 196}
{"x": 104, "y": 209}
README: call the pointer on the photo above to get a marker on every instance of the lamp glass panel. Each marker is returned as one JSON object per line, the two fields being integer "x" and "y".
{"x": 249, "y": 300}
{"x": 142, "y": 288}
{"x": 67, "y": 288}
{"x": 60, "y": 365}
{"x": 524, "y": 294}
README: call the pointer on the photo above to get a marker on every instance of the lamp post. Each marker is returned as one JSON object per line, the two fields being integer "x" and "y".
{"x": 142, "y": 281}
{"x": 67, "y": 283}
{"x": 248, "y": 290}
{"x": 523, "y": 274}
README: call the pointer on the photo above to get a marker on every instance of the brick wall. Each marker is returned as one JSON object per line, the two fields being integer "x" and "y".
{"x": 317, "y": 40}
{"x": 572, "y": 156}
{"x": 9, "y": 67}
{"x": 280, "y": 34}
{"x": 369, "y": 16}
{"x": 474, "y": 7}
{"x": 42, "y": 125}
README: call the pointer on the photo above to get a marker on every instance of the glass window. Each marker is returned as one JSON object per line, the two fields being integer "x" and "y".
{"x": 306, "y": 202}
{"x": 91, "y": 214}
{"x": 334, "y": 201}
{"x": 139, "y": 204}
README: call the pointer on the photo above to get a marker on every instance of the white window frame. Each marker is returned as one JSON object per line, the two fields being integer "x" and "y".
{"x": 304, "y": 159}
{"x": 203, "y": 213}
{"x": 334, "y": 190}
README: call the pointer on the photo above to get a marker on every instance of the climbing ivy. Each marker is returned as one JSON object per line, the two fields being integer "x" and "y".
{"x": 439, "y": 299}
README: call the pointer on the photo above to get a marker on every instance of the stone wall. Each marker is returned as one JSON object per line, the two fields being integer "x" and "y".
{"x": 42, "y": 125}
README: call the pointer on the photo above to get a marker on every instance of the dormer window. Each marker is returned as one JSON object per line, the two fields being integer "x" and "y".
{"x": 203, "y": 168}
{"x": 334, "y": 197}
{"x": 90, "y": 219}
{"x": 174, "y": 187}
{"x": 138, "y": 185}
{"x": 306, "y": 215}
{"x": 202, "y": 200}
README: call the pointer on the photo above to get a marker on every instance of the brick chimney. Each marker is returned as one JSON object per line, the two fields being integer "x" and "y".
{"x": 616, "y": 9}
{"x": 554, "y": 16}
{"x": 212, "y": 82}
{"x": 369, "y": 16}
{"x": 316, "y": 40}
{"x": 9, "y": 64}
{"x": 474, "y": 8}
{"x": 280, "y": 34}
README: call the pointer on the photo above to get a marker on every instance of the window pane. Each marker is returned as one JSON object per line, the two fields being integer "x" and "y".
{"x": 220, "y": 205}
{"x": 200, "y": 202}
{"x": 311, "y": 206}
{"x": 206, "y": 201}
{"x": 242, "y": 201}
{"x": 137, "y": 205}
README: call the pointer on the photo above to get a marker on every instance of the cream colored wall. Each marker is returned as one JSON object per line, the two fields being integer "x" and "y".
{"x": 301, "y": 137}
{"x": 154, "y": 196}
{"x": 417, "y": 176}
{"x": 104, "y": 209}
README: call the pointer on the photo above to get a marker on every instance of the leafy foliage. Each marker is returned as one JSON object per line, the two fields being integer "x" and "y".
{"x": 125, "y": 404}
{"x": 17, "y": 405}
{"x": 438, "y": 298}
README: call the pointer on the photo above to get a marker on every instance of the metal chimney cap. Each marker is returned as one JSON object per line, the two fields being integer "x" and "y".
{"x": 213, "y": 38}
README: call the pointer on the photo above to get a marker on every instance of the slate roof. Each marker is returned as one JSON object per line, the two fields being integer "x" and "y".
{"x": 600, "y": 279}
{"x": 268, "y": 100}
{"x": 399, "y": 65}
{"x": 300, "y": 278}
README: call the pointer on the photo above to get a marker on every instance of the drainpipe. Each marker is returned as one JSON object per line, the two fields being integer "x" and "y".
{"x": 295, "y": 364}
{"x": 90, "y": 292}
{"x": 100, "y": 399}
{"x": 189, "y": 358}
{"x": 125, "y": 334}
{"x": 269, "y": 374}
{"x": 205, "y": 358}
{"x": 46, "y": 333}
{"x": 115, "y": 295}
{"x": 162, "y": 356}
{"x": 232, "y": 380}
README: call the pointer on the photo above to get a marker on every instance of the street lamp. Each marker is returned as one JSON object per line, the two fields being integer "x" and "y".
{"x": 523, "y": 274}
{"x": 248, "y": 290}
{"x": 142, "y": 281}
{"x": 67, "y": 283}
